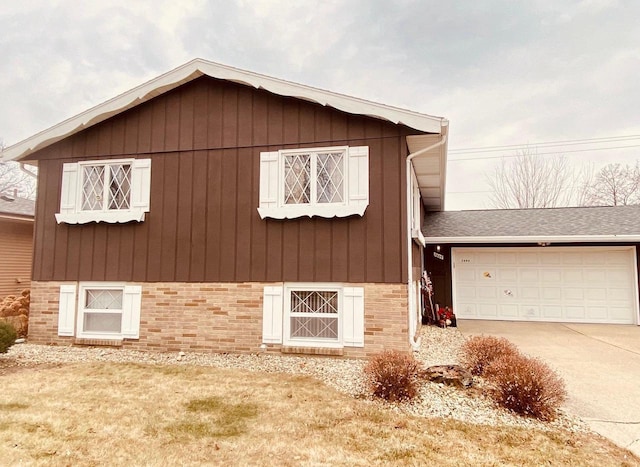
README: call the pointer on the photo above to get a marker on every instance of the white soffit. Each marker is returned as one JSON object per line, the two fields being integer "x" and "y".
{"x": 430, "y": 168}
{"x": 198, "y": 67}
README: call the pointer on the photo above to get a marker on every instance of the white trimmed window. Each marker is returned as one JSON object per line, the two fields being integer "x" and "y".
{"x": 325, "y": 182}
{"x": 101, "y": 310}
{"x": 105, "y": 191}
{"x": 314, "y": 315}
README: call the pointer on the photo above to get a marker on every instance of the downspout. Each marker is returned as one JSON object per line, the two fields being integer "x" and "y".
{"x": 27, "y": 171}
{"x": 415, "y": 345}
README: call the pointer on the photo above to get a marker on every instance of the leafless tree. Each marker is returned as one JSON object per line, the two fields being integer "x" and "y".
{"x": 614, "y": 185}
{"x": 532, "y": 181}
{"x": 14, "y": 180}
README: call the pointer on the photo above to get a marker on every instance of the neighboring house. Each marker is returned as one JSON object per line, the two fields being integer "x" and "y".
{"x": 16, "y": 238}
{"x": 215, "y": 209}
{"x": 564, "y": 264}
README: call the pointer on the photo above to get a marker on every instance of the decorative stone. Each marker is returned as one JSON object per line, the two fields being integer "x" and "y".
{"x": 451, "y": 375}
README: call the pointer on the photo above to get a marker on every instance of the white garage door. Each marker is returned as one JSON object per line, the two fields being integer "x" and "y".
{"x": 570, "y": 284}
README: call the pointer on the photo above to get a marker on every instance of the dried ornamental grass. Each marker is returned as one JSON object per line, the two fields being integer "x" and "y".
{"x": 526, "y": 386}
{"x": 479, "y": 351}
{"x": 393, "y": 375}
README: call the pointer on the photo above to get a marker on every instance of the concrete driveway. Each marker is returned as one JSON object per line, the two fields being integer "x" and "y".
{"x": 600, "y": 364}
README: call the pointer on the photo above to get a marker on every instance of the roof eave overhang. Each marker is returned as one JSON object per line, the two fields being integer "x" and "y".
{"x": 431, "y": 167}
{"x": 198, "y": 67}
{"x": 15, "y": 218}
{"x": 547, "y": 239}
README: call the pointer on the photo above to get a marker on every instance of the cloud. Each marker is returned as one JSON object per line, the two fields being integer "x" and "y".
{"x": 503, "y": 72}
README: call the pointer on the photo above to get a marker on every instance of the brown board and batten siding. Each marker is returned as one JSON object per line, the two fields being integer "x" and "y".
{"x": 205, "y": 139}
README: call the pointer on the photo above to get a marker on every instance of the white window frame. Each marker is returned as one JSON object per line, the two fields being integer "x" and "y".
{"x": 71, "y": 310}
{"x": 82, "y": 311}
{"x": 71, "y": 211}
{"x": 276, "y": 315}
{"x": 308, "y": 341}
{"x": 355, "y": 183}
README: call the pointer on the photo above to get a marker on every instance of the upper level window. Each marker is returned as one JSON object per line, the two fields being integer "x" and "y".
{"x": 105, "y": 191}
{"x": 106, "y": 187}
{"x": 326, "y": 182}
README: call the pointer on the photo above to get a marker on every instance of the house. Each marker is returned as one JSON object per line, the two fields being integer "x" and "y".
{"x": 576, "y": 265}
{"x": 216, "y": 209}
{"x": 16, "y": 237}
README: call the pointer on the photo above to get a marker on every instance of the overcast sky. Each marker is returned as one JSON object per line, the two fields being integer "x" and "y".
{"x": 503, "y": 72}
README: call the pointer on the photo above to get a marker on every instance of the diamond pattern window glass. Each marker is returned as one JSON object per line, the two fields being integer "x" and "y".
{"x": 316, "y": 177}
{"x": 106, "y": 187}
{"x": 314, "y": 314}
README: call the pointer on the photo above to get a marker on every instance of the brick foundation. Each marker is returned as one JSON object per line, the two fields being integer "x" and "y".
{"x": 219, "y": 317}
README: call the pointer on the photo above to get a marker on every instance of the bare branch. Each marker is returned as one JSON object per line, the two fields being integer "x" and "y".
{"x": 532, "y": 181}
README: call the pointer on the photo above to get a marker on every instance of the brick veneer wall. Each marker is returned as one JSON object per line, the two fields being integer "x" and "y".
{"x": 219, "y": 317}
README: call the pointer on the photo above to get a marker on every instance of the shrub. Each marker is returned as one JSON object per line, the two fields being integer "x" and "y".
{"x": 393, "y": 375}
{"x": 526, "y": 385}
{"x": 7, "y": 336}
{"x": 479, "y": 351}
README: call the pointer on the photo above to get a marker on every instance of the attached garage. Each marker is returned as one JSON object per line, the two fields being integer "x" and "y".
{"x": 577, "y": 265}
{"x": 567, "y": 284}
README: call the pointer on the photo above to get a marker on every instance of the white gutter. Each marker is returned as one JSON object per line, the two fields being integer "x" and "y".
{"x": 27, "y": 171}
{"x": 537, "y": 239}
{"x": 415, "y": 345}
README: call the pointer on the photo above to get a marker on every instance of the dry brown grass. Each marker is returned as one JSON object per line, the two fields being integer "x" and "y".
{"x": 125, "y": 414}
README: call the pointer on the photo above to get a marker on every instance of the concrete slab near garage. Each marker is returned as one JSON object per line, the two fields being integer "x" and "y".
{"x": 600, "y": 364}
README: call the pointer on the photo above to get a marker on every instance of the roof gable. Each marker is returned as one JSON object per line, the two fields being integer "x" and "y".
{"x": 199, "y": 67}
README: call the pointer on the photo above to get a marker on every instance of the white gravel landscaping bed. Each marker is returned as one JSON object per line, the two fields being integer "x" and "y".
{"x": 439, "y": 346}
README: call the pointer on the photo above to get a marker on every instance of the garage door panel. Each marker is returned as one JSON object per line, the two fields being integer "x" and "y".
{"x": 466, "y": 275}
{"x": 596, "y": 276}
{"x": 573, "y": 284}
{"x": 509, "y": 311}
{"x": 618, "y": 314}
{"x": 507, "y": 258}
{"x": 617, "y": 257}
{"x": 550, "y": 260}
{"x": 573, "y": 293}
{"x": 466, "y": 293}
{"x": 551, "y": 312}
{"x": 572, "y": 257}
{"x": 487, "y": 292}
{"x": 529, "y": 293}
{"x": 528, "y": 258}
{"x": 598, "y": 313}
{"x": 619, "y": 277}
{"x": 551, "y": 293}
{"x": 529, "y": 275}
{"x": 488, "y": 310}
{"x": 507, "y": 274}
{"x": 573, "y": 276}
{"x": 551, "y": 275}
{"x": 485, "y": 258}
{"x": 467, "y": 310}
{"x": 596, "y": 294}
{"x": 530, "y": 312}
{"x": 573, "y": 312}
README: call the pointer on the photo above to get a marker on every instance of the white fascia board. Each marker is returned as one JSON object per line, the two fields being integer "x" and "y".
{"x": 536, "y": 239}
{"x": 198, "y": 67}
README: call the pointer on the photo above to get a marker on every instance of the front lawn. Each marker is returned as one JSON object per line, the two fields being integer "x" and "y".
{"x": 130, "y": 414}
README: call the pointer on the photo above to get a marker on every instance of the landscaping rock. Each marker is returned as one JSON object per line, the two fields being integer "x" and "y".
{"x": 451, "y": 375}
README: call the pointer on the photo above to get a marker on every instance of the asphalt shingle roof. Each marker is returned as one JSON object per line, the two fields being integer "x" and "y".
{"x": 610, "y": 220}
{"x": 17, "y": 206}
